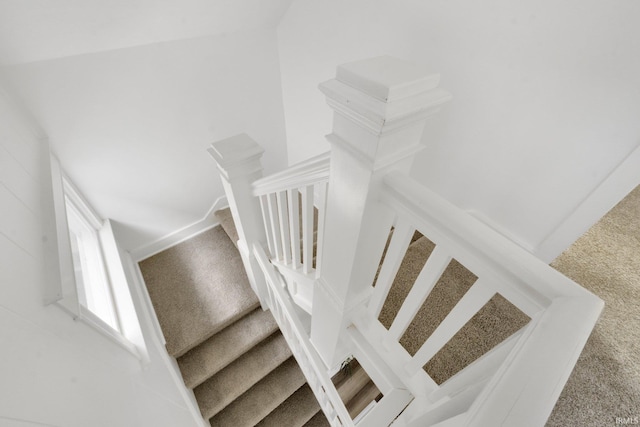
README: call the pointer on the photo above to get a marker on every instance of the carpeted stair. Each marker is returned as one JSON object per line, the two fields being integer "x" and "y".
{"x": 229, "y": 350}
{"x": 234, "y": 357}
{"x": 355, "y": 388}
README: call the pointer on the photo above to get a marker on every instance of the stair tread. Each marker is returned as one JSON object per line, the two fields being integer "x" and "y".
{"x": 318, "y": 420}
{"x": 367, "y": 394}
{"x": 299, "y": 408}
{"x": 217, "y": 392}
{"x": 262, "y": 398}
{"x": 197, "y": 288}
{"x": 351, "y": 384}
{"x": 226, "y": 346}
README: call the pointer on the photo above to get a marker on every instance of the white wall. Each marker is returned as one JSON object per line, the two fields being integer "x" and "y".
{"x": 55, "y": 371}
{"x": 40, "y": 29}
{"x": 131, "y": 126}
{"x": 546, "y": 94}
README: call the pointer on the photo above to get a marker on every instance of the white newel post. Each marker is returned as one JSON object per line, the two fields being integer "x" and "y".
{"x": 238, "y": 160}
{"x": 380, "y": 108}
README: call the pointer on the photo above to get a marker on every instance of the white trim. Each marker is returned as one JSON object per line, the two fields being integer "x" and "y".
{"x": 80, "y": 203}
{"x": 500, "y": 229}
{"x": 307, "y": 172}
{"x": 114, "y": 336}
{"x": 179, "y": 236}
{"x": 122, "y": 293}
{"x": 65, "y": 294}
{"x": 149, "y": 312}
{"x": 620, "y": 182}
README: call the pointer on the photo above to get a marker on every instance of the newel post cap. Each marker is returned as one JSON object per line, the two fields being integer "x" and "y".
{"x": 379, "y": 92}
{"x": 387, "y": 78}
{"x": 239, "y": 154}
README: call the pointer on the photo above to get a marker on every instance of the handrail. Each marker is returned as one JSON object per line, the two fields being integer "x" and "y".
{"x": 427, "y": 210}
{"x": 530, "y": 378}
{"x": 343, "y": 273}
{"x": 307, "y": 172}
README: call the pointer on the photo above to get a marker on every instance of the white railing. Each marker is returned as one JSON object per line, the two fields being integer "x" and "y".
{"x": 490, "y": 391}
{"x": 293, "y": 210}
{"x": 297, "y": 336}
{"x": 381, "y": 106}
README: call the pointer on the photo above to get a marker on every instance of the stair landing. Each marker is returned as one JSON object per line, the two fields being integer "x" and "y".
{"x": 197, "y": 288}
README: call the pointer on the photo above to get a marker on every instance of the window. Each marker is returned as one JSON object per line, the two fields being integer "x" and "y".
{"x": 92, "y": 275}
{"x": 93, "y": 287}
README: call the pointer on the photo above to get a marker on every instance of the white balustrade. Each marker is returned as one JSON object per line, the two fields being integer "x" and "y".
{"x": 297, "y": 337}
{"x": 357, "y": 195}
{"x": 552, "y": 336}
{"x": 292, "y": 202}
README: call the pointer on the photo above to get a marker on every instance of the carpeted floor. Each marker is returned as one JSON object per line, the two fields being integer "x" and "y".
{"x": 497, "y": 320}
{"x": 605, "y": 383}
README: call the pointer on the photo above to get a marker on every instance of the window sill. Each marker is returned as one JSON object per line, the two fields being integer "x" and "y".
{"x": 90, "y": 319}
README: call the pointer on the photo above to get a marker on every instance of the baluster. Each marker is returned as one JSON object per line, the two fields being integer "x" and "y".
{"x": 431, "y": 272}
{"x": 475, "y": 298}
{"x": 274, "y": 221}
{"x": 307, "y": 229}
{"x": 266, "y": 221}
{"x": 395, "y": 253}
{"x": 283, "y": 214}
{"x": 322, "y": 202}
{"x": 294, "y": 226}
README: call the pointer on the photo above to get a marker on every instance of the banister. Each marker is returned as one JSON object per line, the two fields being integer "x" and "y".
{"x": 295, "y": 333}
{"x": 380, "y": 109}
{"x": 524, "y": 389}
{"x": 381, "y": 106}
{"x": 307, "y": 172}
{"x": 453, "y": 226}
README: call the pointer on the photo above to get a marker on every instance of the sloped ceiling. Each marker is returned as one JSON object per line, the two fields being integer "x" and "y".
{"x": 130, "y": 93}
{"x": 37, "y": 30}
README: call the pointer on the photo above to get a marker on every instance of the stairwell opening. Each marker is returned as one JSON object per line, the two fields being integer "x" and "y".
{"x": 497, "y": 320}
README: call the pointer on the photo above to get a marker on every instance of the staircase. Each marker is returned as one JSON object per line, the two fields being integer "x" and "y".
{"x": 230, "y": 352}
{"x": 452, "y": 323}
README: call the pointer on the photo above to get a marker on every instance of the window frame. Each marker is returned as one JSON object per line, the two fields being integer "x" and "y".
{"x": 76, "y": 205}
{"x": 62, "y": 290}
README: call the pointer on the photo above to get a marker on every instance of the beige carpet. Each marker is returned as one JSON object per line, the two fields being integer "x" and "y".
{"x": 490, "y": 326}
{"x": 605, "y": 383}
{"x": 230, "y": 352}
{"x": 197, "y": 288}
